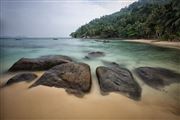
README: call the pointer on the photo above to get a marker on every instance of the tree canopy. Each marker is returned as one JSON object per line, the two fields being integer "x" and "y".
{"x": 150, "y": 19}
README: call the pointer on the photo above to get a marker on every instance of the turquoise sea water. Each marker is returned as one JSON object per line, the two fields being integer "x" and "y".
{"x": 127, "y": 54}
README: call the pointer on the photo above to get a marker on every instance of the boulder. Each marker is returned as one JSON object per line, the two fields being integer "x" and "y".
{"x": 27, "y": 77}
{"x": 157, "y": 77}
{"x": 41, "y": 63}
{"x": 95, "y": 55}
{"x": 116, "y": 79}
{"x": 75, "y": 77}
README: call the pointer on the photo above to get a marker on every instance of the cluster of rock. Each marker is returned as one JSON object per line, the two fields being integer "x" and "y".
{"x": 63, "y": 72}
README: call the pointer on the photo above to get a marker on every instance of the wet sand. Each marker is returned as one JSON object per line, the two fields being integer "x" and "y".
{"x": 19, "y": 102}
{"x": 158, "y": 43}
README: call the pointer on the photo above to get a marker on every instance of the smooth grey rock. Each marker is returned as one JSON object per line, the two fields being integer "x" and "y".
{"x": 41, "y": 63}
{"x": 27, "y": 77}
{"x": 73, "y": 76}
{"x": 157, "y": 77}
{"x": 95, "y": 55}
{"x": 116, "y": 79}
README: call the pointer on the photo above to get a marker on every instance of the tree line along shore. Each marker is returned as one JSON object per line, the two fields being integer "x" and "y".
{"x": 144, "y": 19}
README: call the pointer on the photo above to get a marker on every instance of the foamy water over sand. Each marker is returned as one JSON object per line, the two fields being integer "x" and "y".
{"x": 19, "y": 102}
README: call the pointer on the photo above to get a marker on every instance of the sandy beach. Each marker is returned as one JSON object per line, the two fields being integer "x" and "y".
{"x": 90, "y": 60}
{"x": 158, "y": 43}
{"x": 20, "y": 102}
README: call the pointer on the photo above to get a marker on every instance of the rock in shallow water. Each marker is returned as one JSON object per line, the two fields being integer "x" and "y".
{"x": 73, "y": 76}
{"x": 116, "y": 79}
{"x": 41, "y": 63}
{"x": 157, "y": 77}
{"x": 95, "y": 54}
{"x": 27, "y": 77}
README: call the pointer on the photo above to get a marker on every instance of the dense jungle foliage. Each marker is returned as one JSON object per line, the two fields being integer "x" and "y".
{"x": 149, "y": 19}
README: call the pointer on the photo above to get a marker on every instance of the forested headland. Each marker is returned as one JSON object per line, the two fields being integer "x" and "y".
{"x": 147, "y": 19}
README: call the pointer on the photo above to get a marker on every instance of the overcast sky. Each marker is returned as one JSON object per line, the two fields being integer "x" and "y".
{"x": 52, "y": 18}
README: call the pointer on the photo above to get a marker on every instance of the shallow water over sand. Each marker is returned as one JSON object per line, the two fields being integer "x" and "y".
{"x": 127, "y": 54}
{"x": 19, "y": 102}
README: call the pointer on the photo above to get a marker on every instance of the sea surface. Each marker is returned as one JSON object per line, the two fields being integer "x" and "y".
{"x": 19, "y": 102}
{"x": 127, "y": 54}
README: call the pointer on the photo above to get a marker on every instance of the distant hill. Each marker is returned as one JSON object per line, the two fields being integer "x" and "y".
{"x": 149, "y": 19}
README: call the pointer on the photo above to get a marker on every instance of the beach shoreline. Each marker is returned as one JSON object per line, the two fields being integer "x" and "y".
{"x": 44, "y": 102}
{"x": 159, "y": 43}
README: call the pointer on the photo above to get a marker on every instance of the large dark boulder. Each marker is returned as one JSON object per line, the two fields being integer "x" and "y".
{"x": 95, "y": 55}
{"x": 27, "y": 77}
{"x": 157, "y": 77}
{"x": 75, "y": 77}
{"x": 116, "y": 79}
{"x": 41, "y": 63}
